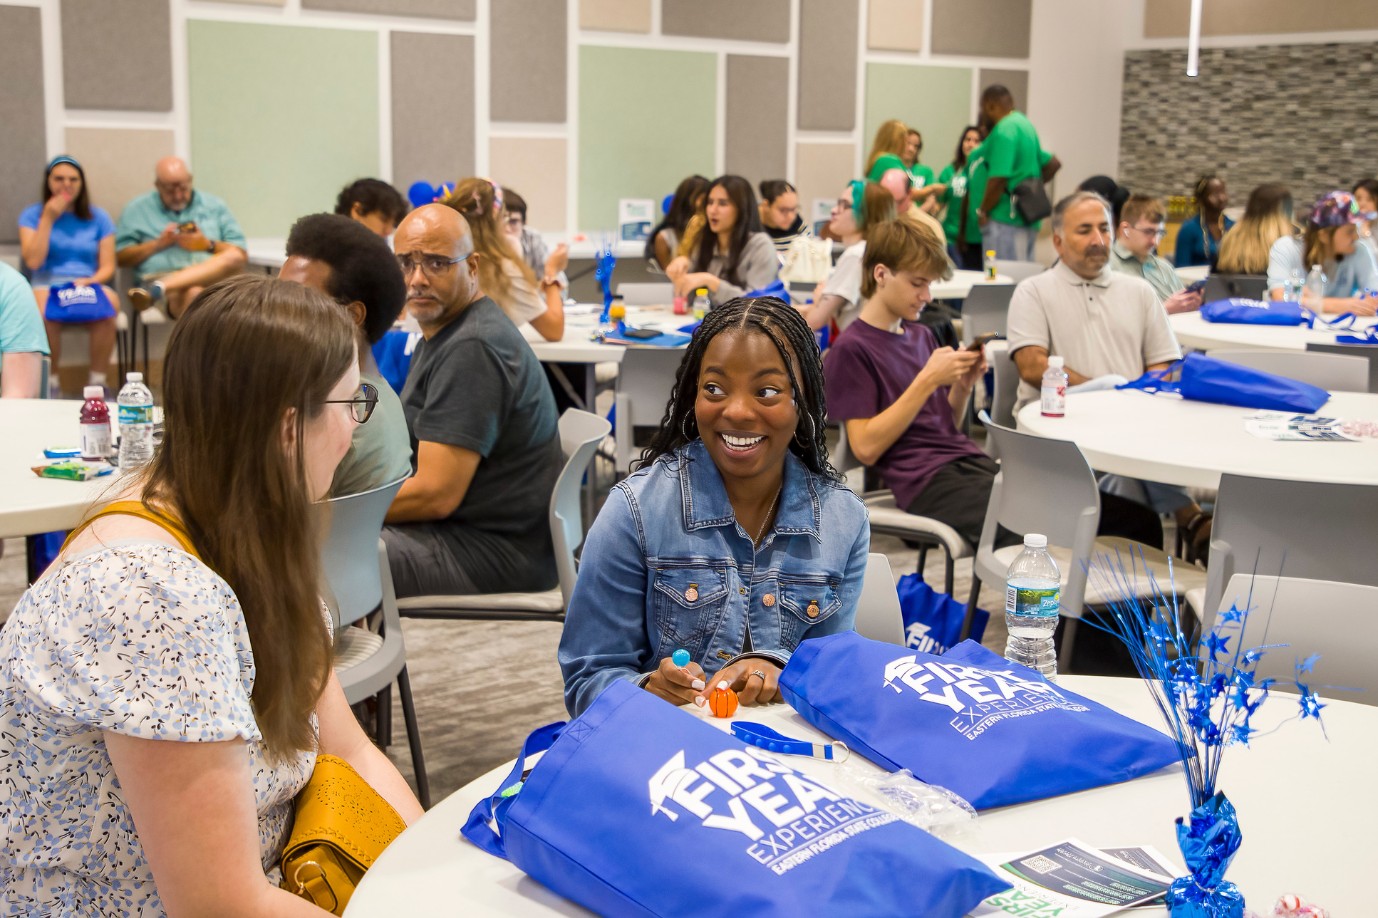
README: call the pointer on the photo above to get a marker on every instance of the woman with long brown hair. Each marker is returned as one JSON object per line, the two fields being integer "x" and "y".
{"x": 166, "y": 686}
{"x": 1267, "y": 218}
{"x": 1330, "y": 242}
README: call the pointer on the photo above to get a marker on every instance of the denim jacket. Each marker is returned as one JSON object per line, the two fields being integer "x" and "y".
{"x": 666, "y": 566}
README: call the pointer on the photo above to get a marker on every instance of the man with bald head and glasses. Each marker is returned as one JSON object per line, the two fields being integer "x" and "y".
{"x": 1135, "y": 252}
{"x": 473, "y": 517}
{"x": 178, "y": 240}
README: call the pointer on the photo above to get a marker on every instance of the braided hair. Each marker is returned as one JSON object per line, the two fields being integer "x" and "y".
{"x": 793, "y": 339}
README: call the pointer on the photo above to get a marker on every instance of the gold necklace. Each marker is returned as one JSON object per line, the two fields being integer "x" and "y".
{"x": 766, "y": 522}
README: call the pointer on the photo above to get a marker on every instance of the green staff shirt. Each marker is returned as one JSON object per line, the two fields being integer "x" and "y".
{"x": 143, "y": 220}
{"x": 1012, "y": 152}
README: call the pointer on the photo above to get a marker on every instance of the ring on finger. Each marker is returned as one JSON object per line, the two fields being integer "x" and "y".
{"x": 757, "y": 672}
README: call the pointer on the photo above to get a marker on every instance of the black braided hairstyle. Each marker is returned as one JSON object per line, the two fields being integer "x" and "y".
{"x": 785, "y": 326}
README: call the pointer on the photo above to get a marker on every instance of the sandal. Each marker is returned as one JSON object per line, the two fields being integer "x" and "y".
{"x": 1197, "y": 543}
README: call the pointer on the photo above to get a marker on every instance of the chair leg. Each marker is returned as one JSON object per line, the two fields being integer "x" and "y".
{"x": 418, "y": 761}
{"x": 383, "y": 732}
{"x": 923, "y": 558}
{"x": 1064, "y": 655}
{"x": 949, "y": 570}
{"x": 971, "y": 604}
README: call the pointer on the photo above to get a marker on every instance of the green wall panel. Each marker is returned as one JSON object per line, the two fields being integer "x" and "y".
{"x": 281, "y": 117}
{"x": 639, "y": 134}
{"x": 935, "y": 100}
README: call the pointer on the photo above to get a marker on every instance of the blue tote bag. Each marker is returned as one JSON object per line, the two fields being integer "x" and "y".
{"x": 1240, "y": 311}
{"x": 640, "y": 809}
{"x": 1203, "y": 378}
{"x": 70, "y": 303}
{"x": 990, "y": 730}
{"x": 933, "y": 620}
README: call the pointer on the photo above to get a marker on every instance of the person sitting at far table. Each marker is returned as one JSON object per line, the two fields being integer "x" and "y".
{"x": 732, "y": 254}
{"x": 1331, "y": 240}
{"x": 1135, "y": 252}
{"x": 374, "y": 203}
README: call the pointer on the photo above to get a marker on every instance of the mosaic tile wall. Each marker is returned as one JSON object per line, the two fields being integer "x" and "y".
{"x": 1297, "y": 114}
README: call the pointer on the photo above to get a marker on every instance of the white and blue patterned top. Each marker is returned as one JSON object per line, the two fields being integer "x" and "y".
{"x": 139, "y": 639}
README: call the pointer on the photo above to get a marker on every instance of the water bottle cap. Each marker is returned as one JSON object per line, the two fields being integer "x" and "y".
{"x": 1055, "y": 362}
{"x": 134, "y": 377}
{"x": 1035, "y": 540}
{"x": 93, "y": 392}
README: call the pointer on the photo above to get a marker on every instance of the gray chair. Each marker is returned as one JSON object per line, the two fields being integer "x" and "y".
{"x": 1018, "y": 270}
{"x": 1046, "y": 486}
{"x": 1334, "y": 620}
{"x": 645, "y": 380}
{"x": 1006, "y": 383}
{"x": 369, "y": 659}
{"x": 1366, "y": 351}
{"x": 1289, "y": 529}
{"x": 1334, "y": 372}
{"x": 1225, "y": 286}
{"x": 650, "y": 294}
{"x": 580, "y": 434}
{"x": 889, "y": 519}
{"x": 878, "y": 614}
{"x": 985, "y": 311}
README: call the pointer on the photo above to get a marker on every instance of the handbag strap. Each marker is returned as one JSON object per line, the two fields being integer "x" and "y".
{"x": 1155, "y": 381}
{"x": 1344, "y": 321}
{"x": 479, "y": 827}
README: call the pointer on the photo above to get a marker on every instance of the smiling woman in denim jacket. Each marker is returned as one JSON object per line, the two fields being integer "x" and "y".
{"x": 735, "y": 539}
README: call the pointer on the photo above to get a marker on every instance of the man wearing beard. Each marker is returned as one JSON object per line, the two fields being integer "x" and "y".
{"x": 473, "y": 517}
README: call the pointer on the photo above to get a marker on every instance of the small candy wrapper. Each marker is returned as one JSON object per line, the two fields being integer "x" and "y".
{"x": 1209, "y": 839}
{"x": 74, "y": 470}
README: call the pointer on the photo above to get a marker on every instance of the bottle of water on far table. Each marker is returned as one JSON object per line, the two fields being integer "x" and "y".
{"x": 1313, "y": 294}
{"x": 136, "y": 423}
{"x": 1054, "y": 390}
{"x": 1296, "y": 280}
{"x": 1032, "y": 596}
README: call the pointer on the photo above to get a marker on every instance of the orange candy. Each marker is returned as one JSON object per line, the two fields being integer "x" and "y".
{"x": 723, "y": 701}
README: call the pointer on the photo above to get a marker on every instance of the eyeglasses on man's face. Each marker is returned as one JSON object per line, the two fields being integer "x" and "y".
{"x": 361, "y": 405}
{"x": 1151, "y": 232}
{"x": 430, "y": 265}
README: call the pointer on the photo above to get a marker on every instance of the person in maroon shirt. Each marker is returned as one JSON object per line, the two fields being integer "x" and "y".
{"x": 901, "y": 396}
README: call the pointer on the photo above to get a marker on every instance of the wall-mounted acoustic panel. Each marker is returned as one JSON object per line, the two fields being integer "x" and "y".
{"x": 827, "y": 64}
{"x": 117, "y": 54}
{"x": 432, "y": 131}
{"x": 757, "y": 122}
{"x": 744, "y": 20}
{"x": 528, "y": 42}
{"x": 23, "y": 140}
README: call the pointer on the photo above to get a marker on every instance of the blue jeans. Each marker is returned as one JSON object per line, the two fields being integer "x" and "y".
{"x": 1011, "y": 243}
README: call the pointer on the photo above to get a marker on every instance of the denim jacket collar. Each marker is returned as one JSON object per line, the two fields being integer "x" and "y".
{"x": 706, "y": 503}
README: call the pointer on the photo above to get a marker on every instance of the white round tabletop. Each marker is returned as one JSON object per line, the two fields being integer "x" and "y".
{"x": 29, "y": 504}
{"x": 1196, "y": 333}
{"x": 1167, "y": 439}
{"x": 1305, "y": 801}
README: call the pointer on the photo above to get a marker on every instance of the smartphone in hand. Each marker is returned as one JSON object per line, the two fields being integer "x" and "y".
{"x": 982, "y": 340}
{"x": 188, "y": 227}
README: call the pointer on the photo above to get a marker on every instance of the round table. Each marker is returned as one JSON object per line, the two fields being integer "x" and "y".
{"x": 1305, "y": 804}
{"x": 1167, "y": 439}
{"x": 1196, "y": 333}
{"x": 29, "y": 504}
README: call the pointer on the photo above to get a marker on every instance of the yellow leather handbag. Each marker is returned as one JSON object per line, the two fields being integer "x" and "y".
{"x": 342, "y": 824}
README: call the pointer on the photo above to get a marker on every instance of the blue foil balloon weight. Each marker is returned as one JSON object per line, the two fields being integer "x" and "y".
{"x": 1209, "y": 839}
{"x": 602, "y": 272}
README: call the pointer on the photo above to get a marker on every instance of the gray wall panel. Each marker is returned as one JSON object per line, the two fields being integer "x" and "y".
{"x": 1016, "y": 81}
{"x": 23, "y": 141}
{"x": 745, "y": 20}
{"x": 117, "y": 54}
{"x": 757, "y": 118}
{"x": 982, "y": 28}
{"x": 529, "y": 44}
{"x": 432, "y": 107}
{"x": 827, "y": 64}
{"x": 431, "y": 9}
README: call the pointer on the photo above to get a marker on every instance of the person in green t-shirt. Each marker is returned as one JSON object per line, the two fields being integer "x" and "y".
{"x": 963, "y": 233}
{"x": 1013, "y": 155}
{"x": 925, "y": 189}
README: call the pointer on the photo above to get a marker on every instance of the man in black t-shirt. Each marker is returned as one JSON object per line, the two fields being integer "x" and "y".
{"x": 473, "y": 518}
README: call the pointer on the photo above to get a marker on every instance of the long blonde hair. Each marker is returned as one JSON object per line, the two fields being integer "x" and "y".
{"x": 1245, "y": 246}
{"x": 891, "y": 137}
{"x": 480, "y": 201}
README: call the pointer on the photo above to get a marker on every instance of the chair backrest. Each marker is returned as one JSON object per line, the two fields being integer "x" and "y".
{"x": 1334, "y": 372}
{"x": 580, "y": 434}
{"x": 878, "y": 615}
{"x": 349, "y": 557}
{"x": 1290, "y": 529}
{"x": 45, "y": 377}
{"x": 1366, "y": 351}
{"x": 1045, "y": 486}
{"x": 645, "y": 379}
{"x": 1225, "y": 286}
{"x": 651, "y": 294}
{"x": 1322, "y": 617}
{"x": 1018, "y": 270}
{"x": 1006, "y": 383}
{"x": 985, "y": 310}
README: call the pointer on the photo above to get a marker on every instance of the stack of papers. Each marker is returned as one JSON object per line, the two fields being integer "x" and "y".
{"x": 1280, "y": 425}
{"x": 1074, "y": 880}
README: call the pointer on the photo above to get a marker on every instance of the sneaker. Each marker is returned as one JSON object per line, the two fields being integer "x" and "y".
{"x": 144, "y": 297}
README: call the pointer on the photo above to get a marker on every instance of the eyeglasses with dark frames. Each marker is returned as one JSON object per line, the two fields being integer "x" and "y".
{"x": 361, "y": 405}
{"x": 431, "y": 265}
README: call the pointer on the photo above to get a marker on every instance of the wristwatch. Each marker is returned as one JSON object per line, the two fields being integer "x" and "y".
{"x": 210, "y": 246}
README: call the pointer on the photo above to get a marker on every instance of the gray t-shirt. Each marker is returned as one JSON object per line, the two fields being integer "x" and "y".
{"x": 477, "y": 385}
{"x": 1112, "y": 324}
{"x": 758, "y": 266}
{"x": 380, "y": 452}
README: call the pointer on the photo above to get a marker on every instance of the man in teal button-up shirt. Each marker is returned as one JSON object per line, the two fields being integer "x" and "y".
{"x": 178, "y": 240}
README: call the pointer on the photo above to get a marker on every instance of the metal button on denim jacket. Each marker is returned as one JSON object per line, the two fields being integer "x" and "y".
{"x": 667, "y": 566}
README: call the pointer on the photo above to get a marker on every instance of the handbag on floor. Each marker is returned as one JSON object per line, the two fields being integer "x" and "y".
{"x": 341, "y": 826}
{"x": 1203, "y": 378}
{"x": 933, "y": 620}
{"x": 986, "y": 729}
{"x": 639, "y": 808}
{"x": 70, "y": 303}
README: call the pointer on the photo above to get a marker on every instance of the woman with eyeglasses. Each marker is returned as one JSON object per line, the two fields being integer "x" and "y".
{"x": 860, "y": 207}
{"x": 166, "y": 686}
{"x": 735, "y": 540}
{"x": 503, "y": 272}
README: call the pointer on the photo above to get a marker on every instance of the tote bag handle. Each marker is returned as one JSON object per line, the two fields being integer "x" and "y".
{"x": 479, "y": 827}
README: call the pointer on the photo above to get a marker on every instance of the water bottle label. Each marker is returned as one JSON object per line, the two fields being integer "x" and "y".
{"x": 136, "y": 414}
{"x": 1032, "y": 601}
{"x": 1054, "y": 400}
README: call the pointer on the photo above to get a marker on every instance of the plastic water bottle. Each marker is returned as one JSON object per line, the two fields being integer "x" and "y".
{"x": 991, "y": 270}
{"x": 136, "y": 423}
{"x": 1054, "y": 392}
{"x": 1033, "y": 593}
{"x": 1296, "y": 280}
{"x": 1313, "y": 294}
{"x": 701, "y": 303}
{"x": 95, "y": 424}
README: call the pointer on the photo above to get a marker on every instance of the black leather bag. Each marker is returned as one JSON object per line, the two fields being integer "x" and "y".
{"x": 1031, "y": 200}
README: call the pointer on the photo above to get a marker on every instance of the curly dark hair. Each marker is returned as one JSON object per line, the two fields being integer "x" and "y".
{"x": 373, "y": 197}
{"x": 362, "y": 267}
{"x": 786, "y": 328}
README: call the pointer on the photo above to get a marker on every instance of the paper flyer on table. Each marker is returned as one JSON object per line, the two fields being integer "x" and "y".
{"x": 1282, "y": 425}
{"x": 1071, "y": 879}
